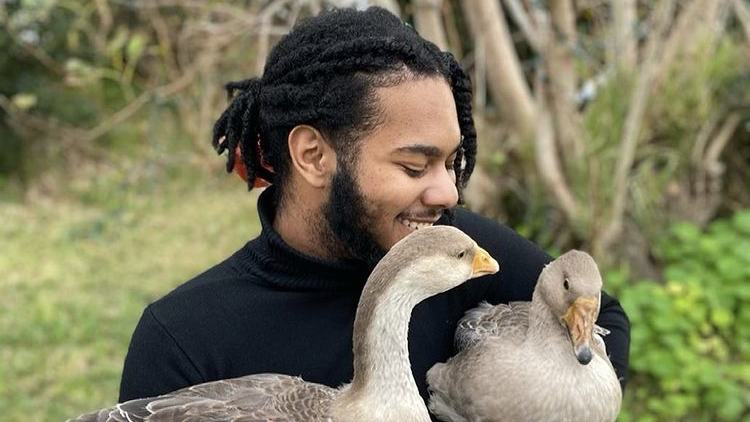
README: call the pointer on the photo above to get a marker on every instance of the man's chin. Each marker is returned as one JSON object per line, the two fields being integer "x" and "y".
{"x": 401, "y": 232}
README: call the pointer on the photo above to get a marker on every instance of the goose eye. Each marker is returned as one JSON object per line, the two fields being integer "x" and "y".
{"x": 566, "y": 283}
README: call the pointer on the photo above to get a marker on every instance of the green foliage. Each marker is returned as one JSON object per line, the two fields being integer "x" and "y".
{"x": 65, "y": 68}
{"x": 703, "y": 87}
{"x": 110, "y": 222}
{"x": 706, "y": 81}
{"x": 78, "y": 272}
{"x": 690, "y": 350}
{"x": 703, "y": 83}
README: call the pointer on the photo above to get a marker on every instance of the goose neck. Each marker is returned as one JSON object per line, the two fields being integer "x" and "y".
{"x": 382, "y": 372}
{"x": 542, "y": 319}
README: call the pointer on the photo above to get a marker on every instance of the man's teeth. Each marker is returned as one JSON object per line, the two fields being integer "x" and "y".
{"x": 414, "y": 225}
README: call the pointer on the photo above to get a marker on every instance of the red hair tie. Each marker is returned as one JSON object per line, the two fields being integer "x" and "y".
{"x": 241, "y": 170}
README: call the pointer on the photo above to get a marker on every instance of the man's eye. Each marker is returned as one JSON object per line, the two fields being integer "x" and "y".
{"x": 450, "y": 163}
{"x": 413, "y": 172}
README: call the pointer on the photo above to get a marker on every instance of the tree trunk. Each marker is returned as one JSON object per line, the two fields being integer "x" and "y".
{"x": 623, "y": 52}
{"x": 654, "y": 52}
{"x": 504, "y": 75}
{"x": 558, "y": 55}
{"x": 742, "y": 12}
{"x": 429, "y": 22}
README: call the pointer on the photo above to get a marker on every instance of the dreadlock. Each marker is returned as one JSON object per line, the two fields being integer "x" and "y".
{"x": 323, "y": 74}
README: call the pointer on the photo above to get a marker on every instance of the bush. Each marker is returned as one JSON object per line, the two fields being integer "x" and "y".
{"x": 690, "y": 349}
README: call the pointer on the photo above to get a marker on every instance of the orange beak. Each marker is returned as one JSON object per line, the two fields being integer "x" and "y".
{"x": 580, "y": 318}
{"x": 483, "y": 263}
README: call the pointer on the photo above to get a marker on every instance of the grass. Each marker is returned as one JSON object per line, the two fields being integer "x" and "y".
{"x": 78, "y": 270}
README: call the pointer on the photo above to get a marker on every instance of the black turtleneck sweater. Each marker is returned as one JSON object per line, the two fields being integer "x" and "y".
{"x": 269, "y": 308}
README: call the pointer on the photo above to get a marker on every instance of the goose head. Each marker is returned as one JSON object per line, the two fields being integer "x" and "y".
{"x": 432, "y": 260}
{"x": 571, "y": 287}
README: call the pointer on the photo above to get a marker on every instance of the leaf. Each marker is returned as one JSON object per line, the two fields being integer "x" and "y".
{"x": 135, "y": 47}
{"x": 743, "y": 291}
{"x": 741, "y": 221}
{"x": 117, "y": 41}
{"x": 722, "y": 318}
{"x": 731, "y": 409}
{"x": 709, "y": 246}
{"x": 686, "y": 232}
{"x": 24, "y": 101}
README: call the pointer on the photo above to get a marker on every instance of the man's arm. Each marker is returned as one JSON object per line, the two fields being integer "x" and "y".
{"x": 150, "y": 370}
{"x": 612, "y": 317}
{"x": 521, "y": 261}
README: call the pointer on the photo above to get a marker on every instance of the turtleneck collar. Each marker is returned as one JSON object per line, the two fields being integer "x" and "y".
{"x": 274, "y": 262}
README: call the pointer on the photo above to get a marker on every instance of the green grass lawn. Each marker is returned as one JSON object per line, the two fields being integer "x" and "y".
{"x": 76, "y": 273}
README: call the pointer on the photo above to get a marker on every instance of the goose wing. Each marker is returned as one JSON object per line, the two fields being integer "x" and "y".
{"x": 261, "y": 398}
{"x": 510, "y": 321}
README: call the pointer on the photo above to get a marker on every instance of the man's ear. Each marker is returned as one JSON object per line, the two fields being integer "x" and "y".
{"x": 312, "y": 156}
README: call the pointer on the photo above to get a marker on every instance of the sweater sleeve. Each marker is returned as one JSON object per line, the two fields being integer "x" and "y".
{"x": 521, "y": 262}
{"x": 155, "y": 363}
{"x": 612, "y": 317}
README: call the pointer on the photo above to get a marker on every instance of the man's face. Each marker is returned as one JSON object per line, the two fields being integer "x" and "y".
{"x": 403, "y": 177}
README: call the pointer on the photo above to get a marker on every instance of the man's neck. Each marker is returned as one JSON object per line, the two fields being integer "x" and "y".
{"x": 296, "y": 221}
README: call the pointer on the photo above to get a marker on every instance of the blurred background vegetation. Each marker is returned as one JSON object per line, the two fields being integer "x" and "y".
{"x": 619, "y": 127}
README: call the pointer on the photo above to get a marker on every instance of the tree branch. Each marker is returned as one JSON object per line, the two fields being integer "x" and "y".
{"x": 429, "y": 22}
{"x": 690, "y": 23}
{"x": 701, "y": 140}
{"x": 742, "y": 12}
{"x": 558, "y": 54}
{"x": 264, "y": 36}
{"x": 632, "y": 126}
{"x": 563, "y": 21}
{"x": 523, "y": 20}
{"x": 623, "y": 51}
{"x": 505, "y": 78}
{"x": 451, "y": 30}
{"x": 719, "y": 142}
{"x": 124, "y": 113}
{"x": 547, "y": 160}
{"x": 38, "y": 53}
{"x": 162, "y": 35}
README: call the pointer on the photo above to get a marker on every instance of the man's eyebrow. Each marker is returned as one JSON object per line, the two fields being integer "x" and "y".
{"x": 427, "y": 150}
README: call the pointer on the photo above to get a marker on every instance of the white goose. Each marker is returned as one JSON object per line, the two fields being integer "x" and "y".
{"x": 427, "y": 262}
{"x": 535, "y": 361}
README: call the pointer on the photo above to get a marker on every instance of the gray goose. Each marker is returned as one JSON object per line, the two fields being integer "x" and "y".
{"x": 426, "y": 262}
{"x": 537, "y": 361}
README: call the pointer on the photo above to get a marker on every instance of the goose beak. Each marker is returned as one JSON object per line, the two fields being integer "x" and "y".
{"x": 483, "y": 263}
{"x": 580, "y": 318}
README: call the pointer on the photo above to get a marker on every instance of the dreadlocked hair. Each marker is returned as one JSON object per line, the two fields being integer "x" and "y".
{"x": 323, "y": 74}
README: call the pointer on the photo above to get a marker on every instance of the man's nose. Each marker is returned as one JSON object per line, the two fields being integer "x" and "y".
{"x": 442, "y": 191}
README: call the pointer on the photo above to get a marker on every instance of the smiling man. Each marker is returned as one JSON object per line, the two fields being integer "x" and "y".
{"x": 399, "y": 178}
{"x": 364, "y": 130}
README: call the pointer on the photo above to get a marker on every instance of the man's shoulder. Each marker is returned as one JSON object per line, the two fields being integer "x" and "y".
{"x": 223, "y": 283}
{"x": 208, "y": 278}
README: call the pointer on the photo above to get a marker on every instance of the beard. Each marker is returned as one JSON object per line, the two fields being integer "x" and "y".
{"x": 348, "y": 219}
